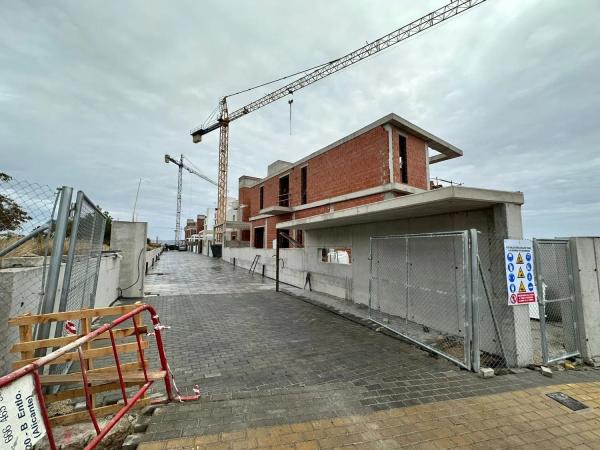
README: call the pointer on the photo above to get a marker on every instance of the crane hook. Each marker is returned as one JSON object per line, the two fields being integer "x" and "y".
{"x": 290, "y": 101}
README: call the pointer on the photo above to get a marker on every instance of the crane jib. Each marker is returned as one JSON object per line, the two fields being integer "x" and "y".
{"x": 425, "y": 22}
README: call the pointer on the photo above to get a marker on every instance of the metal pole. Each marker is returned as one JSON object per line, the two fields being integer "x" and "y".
{"x": 474, "y": 268}
{"x": 62, "y": 219}
{"x": 34, "y": 233}
{"x": 277, "y": 262}
{"x": 64, "y": 295}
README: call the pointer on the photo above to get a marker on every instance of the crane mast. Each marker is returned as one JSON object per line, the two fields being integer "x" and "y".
{"x": 452, "y": 9}
{"x": 181, "y": 165}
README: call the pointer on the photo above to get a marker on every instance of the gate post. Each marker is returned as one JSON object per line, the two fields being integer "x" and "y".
{"x": 474, "y": 300}
{"x": 60, "y": 233}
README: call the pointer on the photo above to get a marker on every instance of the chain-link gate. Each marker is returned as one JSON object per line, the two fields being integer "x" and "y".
{"x": 420, "y": 288}
{"x": 556, "y": 300}
{"x": 83, "y": 258}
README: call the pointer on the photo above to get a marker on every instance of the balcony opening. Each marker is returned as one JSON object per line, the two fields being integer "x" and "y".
{"x": 284, "y": 191}
{"x": 261, "y": 198}
{"x": 403, "y": 162}
{"x": 259, "y": 237}
{"x": 303, "y": 180}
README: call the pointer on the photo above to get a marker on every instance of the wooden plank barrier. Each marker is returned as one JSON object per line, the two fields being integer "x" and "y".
{"x": 102, "y": 378}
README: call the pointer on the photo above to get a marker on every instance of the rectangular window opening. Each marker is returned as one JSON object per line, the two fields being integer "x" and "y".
{"x": 300, "y": 237}
{"x": 403, "y": 162}
{"x": 261, "y": 198}
{"x": 284, "y": 191}
{"x": 336, "y": 255}
{"x": 303, "y": 181}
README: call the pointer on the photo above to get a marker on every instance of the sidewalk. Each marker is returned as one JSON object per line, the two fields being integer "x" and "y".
{"x": 525, "y": 419}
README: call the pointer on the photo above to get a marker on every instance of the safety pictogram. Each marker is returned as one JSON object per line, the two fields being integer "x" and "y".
{"x": 519, "y": 265}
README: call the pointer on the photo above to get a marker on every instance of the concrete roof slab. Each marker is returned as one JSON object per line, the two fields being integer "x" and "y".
{"x": 438, "y": 201}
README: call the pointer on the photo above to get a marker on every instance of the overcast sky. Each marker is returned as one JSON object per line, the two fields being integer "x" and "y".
{"x": 94, "y": 93}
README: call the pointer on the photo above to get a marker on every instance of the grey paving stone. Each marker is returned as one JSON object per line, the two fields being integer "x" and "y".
{"x": 281, "y": 359}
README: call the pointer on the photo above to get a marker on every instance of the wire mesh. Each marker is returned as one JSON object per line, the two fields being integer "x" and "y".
{"x": 25, "y": 208}
{"x": 85, "y": 252}
{"x": 419, "y": 289}
{"x": 506, "y": 332}
{"x": 558, "y": 316}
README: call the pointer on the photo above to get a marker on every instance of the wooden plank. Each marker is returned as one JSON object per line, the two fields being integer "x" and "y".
{"x": 79, "y": 392}
{"x": 86, "y": 327}
{"x": 87, "y": 354}
{"x": 75, "y": 377}
{"x": 72, "y": 315}
{"x": 26, "y": 334}
{"x": 29, "y": 345}
{"x": 102, "y": 411}
{"x": 130, "y": 376}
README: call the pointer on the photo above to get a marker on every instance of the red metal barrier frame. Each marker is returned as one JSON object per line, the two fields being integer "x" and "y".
{"x": 32, "y": 368}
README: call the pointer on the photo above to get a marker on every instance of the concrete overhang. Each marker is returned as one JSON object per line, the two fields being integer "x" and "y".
{"x": 275, "y": 210}
{"x": 237, "y": 225}
{"x": 439, "y": 201}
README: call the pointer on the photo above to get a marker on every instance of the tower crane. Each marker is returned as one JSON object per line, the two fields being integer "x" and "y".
{"x": 453, "y": 8}
{"x": 181, "y": 165}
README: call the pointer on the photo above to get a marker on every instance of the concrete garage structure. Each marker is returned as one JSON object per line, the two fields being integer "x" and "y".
{"x": 375, "y": 182}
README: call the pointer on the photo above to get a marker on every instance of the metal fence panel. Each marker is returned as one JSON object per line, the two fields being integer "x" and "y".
{"x": 419, "y": 288}
{"x": 558, "y": 315}
{"x": 83, "y": 259}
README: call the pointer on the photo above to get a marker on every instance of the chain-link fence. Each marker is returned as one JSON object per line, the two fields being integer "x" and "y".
{"x": 83, "y": 258}
{"x": 50, "y": 254}
{"x": 420, "y": 289}
{"x": 557, "y": 311}
{"x": 26, "y": 234}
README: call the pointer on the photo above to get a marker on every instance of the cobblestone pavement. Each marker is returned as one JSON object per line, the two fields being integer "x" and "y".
{"x": 270, "y": 361}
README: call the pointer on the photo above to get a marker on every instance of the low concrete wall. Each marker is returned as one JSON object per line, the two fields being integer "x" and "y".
{"x": 152, "y": 256}
{"x": 107, "y": 289}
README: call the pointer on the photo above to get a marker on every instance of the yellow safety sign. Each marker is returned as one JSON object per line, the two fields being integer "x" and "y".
{"x": 522, "y": 288}
{"x": 520, "y": 259}
{"x": 521, "y": 274}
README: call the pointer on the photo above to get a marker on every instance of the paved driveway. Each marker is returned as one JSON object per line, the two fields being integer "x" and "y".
{"x": 264, "y": 358}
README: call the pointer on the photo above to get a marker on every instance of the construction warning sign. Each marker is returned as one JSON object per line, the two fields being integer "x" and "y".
{"x": 520, "y": 279}
{"x": 21, "y": 422}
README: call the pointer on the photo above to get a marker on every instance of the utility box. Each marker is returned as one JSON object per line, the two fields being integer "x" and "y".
{"x": 130, "y": 239}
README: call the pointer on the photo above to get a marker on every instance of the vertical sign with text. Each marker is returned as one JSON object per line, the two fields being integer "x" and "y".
{"x": 520, "y": 277}
{"x": 21, "y": 423}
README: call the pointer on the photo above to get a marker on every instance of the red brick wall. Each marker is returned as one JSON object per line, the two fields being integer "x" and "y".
{"x": 358, "y": 201}
{"x": 245, "y": 201}
{"x": 199, "y": 225}
{"x": 417, "y": 164}
{"x": 358, "y": 164}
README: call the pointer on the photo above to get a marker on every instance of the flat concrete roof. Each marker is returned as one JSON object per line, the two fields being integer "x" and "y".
{"x": 438, "y": 201}
{"x": 446, "y": 150}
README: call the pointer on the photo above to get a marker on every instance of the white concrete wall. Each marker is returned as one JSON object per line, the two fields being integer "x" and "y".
{"x": 152, "y": 256}
{"x": 586, "y": 273}
{"x": 107, "y": 288}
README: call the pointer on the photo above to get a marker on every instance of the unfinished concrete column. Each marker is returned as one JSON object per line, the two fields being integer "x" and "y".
{"x": 130, "y": 239}
{"x": 513, "y": 321}
{"x": 585, "y": 253}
